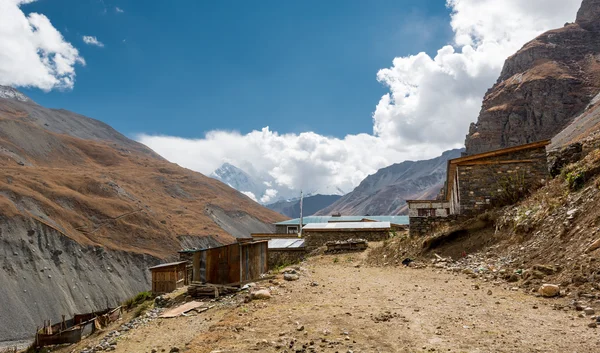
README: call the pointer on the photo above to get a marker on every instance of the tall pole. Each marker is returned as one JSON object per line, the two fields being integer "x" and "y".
{"x": 301, "y": 220}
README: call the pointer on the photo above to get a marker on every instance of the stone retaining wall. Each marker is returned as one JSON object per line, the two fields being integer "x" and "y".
{"x": 425, "y": 226}
{"x": 315, "y": 239}
{"x": 282, "y": 257}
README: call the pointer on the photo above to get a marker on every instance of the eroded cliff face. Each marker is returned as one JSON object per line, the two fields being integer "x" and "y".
{"x": 542, "y": 87}
{"x": 45, "y": 274}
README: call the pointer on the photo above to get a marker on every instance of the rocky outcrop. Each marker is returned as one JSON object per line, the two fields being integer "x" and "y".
{"x": 588, "y": 15}
{"x": 386, "y": 192}
{"x": 542, "y": 87}
{"x": 558, "y": 159}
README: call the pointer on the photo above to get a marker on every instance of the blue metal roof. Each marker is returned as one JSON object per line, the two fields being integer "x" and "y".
{"x": 330, "y": 219}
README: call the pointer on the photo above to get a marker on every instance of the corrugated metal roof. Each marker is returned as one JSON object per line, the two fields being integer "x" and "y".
{"x": 168, "y": 264}
{"x": 328, "y": 219}
{"x": 347, "y": 225}
{"x": 285, "y": 243}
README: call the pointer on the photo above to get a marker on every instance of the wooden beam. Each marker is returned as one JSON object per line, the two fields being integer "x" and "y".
{"x": 512, "y": 161}
{"x": 501, "y": 151}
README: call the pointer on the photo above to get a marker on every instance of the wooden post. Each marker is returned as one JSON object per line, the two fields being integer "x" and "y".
{"x": 241, "y": 257}
{"x": 196, "y": 267}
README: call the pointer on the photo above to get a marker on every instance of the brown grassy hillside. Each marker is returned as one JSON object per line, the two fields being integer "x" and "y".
{"x": 104, "y": 189}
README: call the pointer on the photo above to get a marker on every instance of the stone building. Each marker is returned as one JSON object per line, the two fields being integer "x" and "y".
{"x": 292, "y": 226}
{"x": 479, "y": 182}
{"x": 317, "y": 234}
{"x": 426, "y": 215}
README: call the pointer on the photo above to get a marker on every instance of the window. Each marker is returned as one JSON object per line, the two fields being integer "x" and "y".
{"x": 292, "y": 230}
{"x": 426, "y": 212}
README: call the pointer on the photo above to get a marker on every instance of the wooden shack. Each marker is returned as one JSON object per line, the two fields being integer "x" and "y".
{"x": 232, "y": 264}
{"x": 168, "y": 277}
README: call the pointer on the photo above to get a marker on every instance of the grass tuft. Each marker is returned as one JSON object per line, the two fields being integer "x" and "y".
{"x": 138, "y": 299}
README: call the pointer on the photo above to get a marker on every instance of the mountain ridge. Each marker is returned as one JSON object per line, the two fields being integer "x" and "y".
{"x": 386, "y": 191}
{"x": 310, "y": 205}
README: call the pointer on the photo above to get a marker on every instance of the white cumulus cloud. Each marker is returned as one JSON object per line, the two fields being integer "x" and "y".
{"x": 32, "y": 52}
{"x": 269, "y": 196}
{"x": 430, "y": 103}
{"x": 119, "y": 10}
{"x": 433, "y": 99}
{"x": 250, "y": 194}
{"x": 91, "y": 40}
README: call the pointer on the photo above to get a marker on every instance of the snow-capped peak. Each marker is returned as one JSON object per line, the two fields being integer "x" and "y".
{"x": 264, "y": 190}
{"x": 11, "y": 93}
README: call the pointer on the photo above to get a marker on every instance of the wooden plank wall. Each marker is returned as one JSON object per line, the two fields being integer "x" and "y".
{"x": 218, "y": 265}
{"x": 165, "y": 280}
{"x": 231, "y": 264}
{"x": 254, "y": 260}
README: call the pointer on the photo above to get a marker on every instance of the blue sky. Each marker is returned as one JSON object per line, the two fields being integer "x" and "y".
{"x": 346, "y": 87}
{"x": 186, "y": 67}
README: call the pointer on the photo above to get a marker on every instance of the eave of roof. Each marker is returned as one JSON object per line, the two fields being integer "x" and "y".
{"x": 167, "y": 265}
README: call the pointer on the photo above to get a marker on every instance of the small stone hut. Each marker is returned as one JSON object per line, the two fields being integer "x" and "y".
{"x": 317, "y": 234}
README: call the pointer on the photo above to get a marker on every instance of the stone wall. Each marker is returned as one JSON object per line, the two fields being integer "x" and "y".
{"x": 425, "y": 226}
{"x": 495, "y": 181}
{"x": 441, "y": 207}
{"x": 282, "y": 257}
{"x": 315, "y": 239}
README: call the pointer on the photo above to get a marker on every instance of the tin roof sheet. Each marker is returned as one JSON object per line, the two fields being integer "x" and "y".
{"x": 327, "y": 219}
{"x": 285, "y": 243}
{"x": 347, "y": 225}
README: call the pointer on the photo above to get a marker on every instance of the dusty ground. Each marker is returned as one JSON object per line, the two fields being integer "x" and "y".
{"x": 369, "y": 309}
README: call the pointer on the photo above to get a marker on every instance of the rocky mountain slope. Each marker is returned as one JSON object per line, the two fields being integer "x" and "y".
{"x": 585, "y": 128}
{"x": 84, "y": 211}
{"x": 543, "y": 86}
{"x": 310, "y": 205}
{"x": 386, "y": 192}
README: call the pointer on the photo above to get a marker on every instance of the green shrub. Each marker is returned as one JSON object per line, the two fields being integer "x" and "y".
{"x": 511, "y": 189}
{"x": 576, "y": 179}
{"x": 136, "y": 300}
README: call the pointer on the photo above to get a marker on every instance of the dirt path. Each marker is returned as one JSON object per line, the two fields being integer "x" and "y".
{"x": 361, "y": 309}
{"x": 399, "y": 310}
